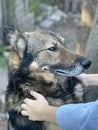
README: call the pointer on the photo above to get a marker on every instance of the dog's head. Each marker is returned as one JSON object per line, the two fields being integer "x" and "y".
{"x": 45, "y": 51}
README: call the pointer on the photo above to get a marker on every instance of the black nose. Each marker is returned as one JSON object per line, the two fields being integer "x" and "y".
{"x": 85, "y": 63}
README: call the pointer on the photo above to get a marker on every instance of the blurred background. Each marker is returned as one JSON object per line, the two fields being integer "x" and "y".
{"x": 71, "y": 18}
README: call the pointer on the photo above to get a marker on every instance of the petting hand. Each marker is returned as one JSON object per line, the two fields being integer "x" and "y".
{"x": 34, "y": 109}
{"x": 83, "y": 79}
{"x": 88, "y": 79}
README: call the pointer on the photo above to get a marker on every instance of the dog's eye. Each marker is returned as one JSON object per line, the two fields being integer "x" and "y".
{"x": 54, "y": 48}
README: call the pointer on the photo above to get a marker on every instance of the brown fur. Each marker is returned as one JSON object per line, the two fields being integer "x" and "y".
{"x": 37, "y": 61}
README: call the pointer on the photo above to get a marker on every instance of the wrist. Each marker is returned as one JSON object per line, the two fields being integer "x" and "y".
{"x": 49, "y": 114}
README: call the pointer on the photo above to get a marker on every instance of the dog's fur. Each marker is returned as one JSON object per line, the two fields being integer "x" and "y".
{"x": 37, "y": 62}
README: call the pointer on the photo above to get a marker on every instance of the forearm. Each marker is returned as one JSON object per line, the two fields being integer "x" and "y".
{"x": 82, "y": 116}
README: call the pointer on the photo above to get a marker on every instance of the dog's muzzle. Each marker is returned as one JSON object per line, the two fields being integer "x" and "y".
{"x": 75, "y": 69}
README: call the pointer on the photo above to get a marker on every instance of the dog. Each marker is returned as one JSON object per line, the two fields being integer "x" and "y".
{"x": 40, "y": 61}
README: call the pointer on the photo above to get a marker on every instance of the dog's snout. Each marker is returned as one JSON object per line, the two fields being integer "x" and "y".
{"x": 85, "y": 63}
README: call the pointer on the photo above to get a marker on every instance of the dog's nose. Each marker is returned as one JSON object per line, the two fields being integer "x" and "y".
{"x": 85, "y": 63}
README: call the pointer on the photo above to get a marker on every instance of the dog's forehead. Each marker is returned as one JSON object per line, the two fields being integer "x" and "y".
{"x": 39, "y": 39}
{"x": 41, "y": 36}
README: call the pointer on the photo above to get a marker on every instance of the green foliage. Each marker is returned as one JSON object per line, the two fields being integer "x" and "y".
{"x": 2, "y": 59}
{"x": 34, "y": 5}
{"x": 13, "y": 7}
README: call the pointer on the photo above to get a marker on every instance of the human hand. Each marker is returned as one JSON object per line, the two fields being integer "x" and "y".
{"x": 88, "y": 79}
{"x": 34, "y": 109}
{"x": 84, "y": 79}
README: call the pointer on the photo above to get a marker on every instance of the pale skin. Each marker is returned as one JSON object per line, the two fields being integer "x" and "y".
{"x": 40, "y": 110}
{"x": 88, "y": 79}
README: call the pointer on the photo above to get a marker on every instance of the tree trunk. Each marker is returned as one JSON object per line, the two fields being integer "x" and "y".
{"x": 7, "y": 12}
{"x": 88, "y": 10}
{"x": 1, "y": 23}
{"x": 92, "y": 45}
{"x": 87, "y": 16}
{"x": 91, "y": 93}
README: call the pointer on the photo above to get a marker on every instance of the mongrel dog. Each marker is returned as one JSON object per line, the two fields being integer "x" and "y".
{"x": 37, "y": 61}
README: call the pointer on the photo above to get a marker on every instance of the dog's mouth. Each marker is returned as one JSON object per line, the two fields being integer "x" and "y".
{"x": 70, "y": 71}
{"x": 61, "y": 71}
{"x": 73, "y": 70}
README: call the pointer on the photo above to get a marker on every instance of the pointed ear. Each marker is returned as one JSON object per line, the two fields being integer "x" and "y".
{"x": 16, "y": 39}
{"x": 12, "y": 34}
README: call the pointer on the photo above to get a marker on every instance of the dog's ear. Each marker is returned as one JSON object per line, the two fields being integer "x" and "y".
{"x": 12, "y": 34}
{"x": 58, "y": 36}
{"x": 18, "y": 43}
{"x": 16, "y": 39}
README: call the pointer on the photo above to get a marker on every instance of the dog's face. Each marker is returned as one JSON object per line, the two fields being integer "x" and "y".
{"x": 45, "y": 51}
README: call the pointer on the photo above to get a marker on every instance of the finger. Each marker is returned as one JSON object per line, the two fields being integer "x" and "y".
{"x": 84, "y": 84}
{"x": 36, "y": 95}
{"x": 24, "y": 113}
{"x": 24, "y": 106}
{"x": 27, "y": 101}
{"x": 32, "y": 118}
